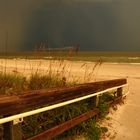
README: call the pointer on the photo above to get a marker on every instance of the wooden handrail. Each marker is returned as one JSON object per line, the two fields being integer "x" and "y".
{"x": 33, "y": 99}
{"x": 53, "y": 132}
{"x": 59, "y": 129}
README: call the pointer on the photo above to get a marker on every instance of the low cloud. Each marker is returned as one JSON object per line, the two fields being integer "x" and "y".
{"x": 94, "y": 24}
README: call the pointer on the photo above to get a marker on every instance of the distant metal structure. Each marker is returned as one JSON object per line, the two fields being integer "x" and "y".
{"x": 44, "y": 47}
{"x": 41, "y": 47}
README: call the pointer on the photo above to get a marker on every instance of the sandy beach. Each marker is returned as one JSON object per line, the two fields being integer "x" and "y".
{"x": 125, "y": 121}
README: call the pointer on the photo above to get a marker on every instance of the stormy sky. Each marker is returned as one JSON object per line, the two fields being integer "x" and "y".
{"x": 101, "y": 25}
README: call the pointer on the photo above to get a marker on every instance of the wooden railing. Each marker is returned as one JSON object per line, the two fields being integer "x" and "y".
{"x": 11, "y": 106}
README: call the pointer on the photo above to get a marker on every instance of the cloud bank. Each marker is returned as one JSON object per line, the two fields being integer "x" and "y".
{"x": 106, "y": 25}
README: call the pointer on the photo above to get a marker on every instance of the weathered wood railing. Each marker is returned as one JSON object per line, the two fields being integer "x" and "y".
{"x": 12, "y": 106}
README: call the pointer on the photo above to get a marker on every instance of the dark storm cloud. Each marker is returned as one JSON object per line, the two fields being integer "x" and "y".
{"x": 94, "y": 24}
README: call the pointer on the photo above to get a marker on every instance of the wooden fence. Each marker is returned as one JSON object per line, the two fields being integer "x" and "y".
{"x": 11, "y": 106}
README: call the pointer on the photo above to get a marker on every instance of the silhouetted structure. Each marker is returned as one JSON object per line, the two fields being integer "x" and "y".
{"x": 43, "y": 47}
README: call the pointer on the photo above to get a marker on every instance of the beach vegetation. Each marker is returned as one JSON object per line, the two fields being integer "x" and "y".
{"x": 15, "y": 83}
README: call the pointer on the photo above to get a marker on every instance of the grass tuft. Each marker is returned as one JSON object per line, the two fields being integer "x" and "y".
{"x": 38, "y": 81}
{"x": 12, "y": 83}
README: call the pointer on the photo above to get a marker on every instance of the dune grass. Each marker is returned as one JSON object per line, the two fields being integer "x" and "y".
{"x": 14, "y": 83}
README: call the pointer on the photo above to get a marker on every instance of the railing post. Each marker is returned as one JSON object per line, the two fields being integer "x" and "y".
{"x": 7, "y": 131}
{"x": 97, "y": 100}
{"x": 17, "y": 132}
{"x": 119, "y": 92}
{"x": 96, "y": 105}
{"x": 12, "y": 132}
{"x": 1, "y": 133}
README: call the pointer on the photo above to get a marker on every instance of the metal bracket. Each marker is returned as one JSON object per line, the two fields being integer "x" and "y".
{"x": 17, "y": 121}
